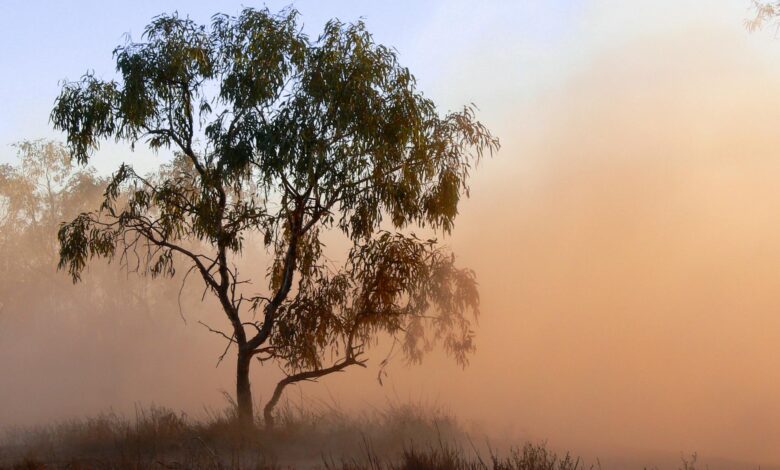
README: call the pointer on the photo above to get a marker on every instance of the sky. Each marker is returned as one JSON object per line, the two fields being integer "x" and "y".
{"x": 625, "y": 237}
{"x": 47, "y": 42}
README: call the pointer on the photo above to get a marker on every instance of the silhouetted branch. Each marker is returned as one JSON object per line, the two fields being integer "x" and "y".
{"x": 311, "y": 375}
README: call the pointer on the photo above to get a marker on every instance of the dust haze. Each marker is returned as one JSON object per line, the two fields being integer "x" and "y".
{"x": 627, "y": 243}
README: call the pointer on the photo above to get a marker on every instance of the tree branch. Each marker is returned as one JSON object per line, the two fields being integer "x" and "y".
{"x": 311, "y": 375}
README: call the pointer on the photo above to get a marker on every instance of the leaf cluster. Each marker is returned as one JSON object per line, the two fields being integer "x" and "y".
{"x": 283, "y": 136}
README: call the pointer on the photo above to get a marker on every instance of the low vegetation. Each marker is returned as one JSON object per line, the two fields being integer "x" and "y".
{"x": 400, "y": 437}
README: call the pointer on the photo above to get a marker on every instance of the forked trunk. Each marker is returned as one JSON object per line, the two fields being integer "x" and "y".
{"x": 244, "y": 391}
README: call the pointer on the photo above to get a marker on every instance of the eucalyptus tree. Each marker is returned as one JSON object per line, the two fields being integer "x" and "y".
{"x": 36, "y": 193}
{"x": 280, "y": 138}
{"x": 764, "y": 12}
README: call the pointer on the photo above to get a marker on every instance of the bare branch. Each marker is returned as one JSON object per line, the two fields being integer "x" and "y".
{"x": 229, "y": 338}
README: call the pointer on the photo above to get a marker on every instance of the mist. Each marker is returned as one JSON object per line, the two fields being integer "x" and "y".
{"x": 628, "y": 256}
{"x": 626, "y": 240}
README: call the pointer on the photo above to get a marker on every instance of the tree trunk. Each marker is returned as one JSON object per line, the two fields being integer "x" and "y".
{"x": 268, "y": 410}
{"x": 244, "y": 390}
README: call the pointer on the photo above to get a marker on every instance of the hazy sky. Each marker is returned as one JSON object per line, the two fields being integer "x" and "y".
{"x": 626, "y": 238}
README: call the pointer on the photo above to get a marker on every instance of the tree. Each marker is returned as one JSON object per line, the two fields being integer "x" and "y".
{"x": 97, "y": 322}
{"x": 278, "y": 139}
{"x": 35, "y": 195}
{"x": 764, "y": 11}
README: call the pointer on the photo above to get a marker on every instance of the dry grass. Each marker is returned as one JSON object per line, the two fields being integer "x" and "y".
{"x": 401, "y": 437}
{"x": 160, "y": 438}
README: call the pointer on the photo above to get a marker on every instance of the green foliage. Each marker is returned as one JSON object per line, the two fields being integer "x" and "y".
{"x": 288, "y": 137}
{"x": 394, "y": 283}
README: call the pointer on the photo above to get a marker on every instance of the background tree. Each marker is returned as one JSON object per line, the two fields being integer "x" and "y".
{"x": 764, "y": 12}
{"x": 52, "y": 331}
{"x": 36, "y": 194}
{"x": 286, "y": 137}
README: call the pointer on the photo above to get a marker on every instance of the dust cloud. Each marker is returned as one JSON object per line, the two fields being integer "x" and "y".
{"x": 627, "y": 243}
{"x": 629, "y": 258}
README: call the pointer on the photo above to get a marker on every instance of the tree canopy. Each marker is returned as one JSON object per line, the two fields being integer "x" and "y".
{"x": 764, "y": 12}
{"x": 283, "y": 136}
